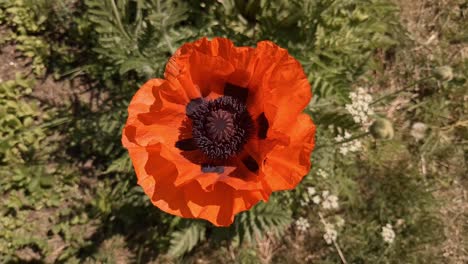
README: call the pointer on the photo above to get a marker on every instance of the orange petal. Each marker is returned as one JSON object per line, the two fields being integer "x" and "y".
{"x": 144, "y": 97}
{"x": 238, "y": 177}
{"x": 157, "y": 175}
{"x": 281, "y": 86}
{"x": 220, "y": 205}
{"x": 285, "y": 166}
{"x": 155, "y": 114}
{"x": 205, "y": 66}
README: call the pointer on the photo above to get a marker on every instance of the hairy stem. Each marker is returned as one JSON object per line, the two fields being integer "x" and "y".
{"x": 400, "y": 90}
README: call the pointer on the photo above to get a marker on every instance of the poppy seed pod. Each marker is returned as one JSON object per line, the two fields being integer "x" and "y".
{"x": 444, "y": 73}
{"x": 382, "y": 128}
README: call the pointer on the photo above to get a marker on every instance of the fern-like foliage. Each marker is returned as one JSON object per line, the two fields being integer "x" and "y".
{"x": 265, "y": 218}
{"x": 183, "y": 241}
{"x": 262, "y": 219}
{"x": 137, "y": 35}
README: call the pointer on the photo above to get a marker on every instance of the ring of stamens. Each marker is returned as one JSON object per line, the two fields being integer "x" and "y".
{"x": 220, "y": 127}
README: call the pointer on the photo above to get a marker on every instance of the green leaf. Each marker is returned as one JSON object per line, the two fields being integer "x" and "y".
{"x": 185, "y": 240}
{"x": 264, "y": 217}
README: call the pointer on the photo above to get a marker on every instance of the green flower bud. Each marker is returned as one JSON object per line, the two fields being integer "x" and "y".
{"x": 382, "y": 128}
{"x": 443, "y": 73}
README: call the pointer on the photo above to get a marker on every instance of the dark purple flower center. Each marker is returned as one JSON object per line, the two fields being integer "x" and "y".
{"x": 220, "y": 127}
{"x": 219, "y": 130}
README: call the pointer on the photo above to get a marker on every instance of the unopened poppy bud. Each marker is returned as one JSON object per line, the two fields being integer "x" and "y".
{"x": 382, "y": 128}
{"x": 443, "y": 73}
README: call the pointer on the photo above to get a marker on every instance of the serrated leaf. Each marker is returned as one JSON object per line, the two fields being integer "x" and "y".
{"x": 263, "y": 218}
{"x": 185, "y": 240}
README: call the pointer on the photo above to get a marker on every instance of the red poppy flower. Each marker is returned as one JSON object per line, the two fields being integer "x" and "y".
{"x": 222, "y": 131}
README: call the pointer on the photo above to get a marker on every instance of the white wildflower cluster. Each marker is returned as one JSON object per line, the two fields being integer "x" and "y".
{"x": 330, "y": 233}
{"x": 351, "y": 146}
{"x": 331, "y": 230}
{"x": 316, "y": 199}
{"x": 306, "y": 197}
{"x": 360, "y": 107}
{"x": 388, "y": 234}
{"x": 302, "y": 224}
{"x": 329, "y": 201}
{"x": 322, "y": 173}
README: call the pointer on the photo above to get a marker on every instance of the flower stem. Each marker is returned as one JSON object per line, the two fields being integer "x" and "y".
{"x": 337, "y": 247}
{"x": 400, "y": 90}
{"x": 457, "y": 124}
{"x": 343, "y": 141}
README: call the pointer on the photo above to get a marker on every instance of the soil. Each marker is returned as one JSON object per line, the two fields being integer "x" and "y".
{"x": 423, "y": 21}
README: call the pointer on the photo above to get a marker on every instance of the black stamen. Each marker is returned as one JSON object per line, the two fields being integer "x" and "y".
{"x": 238, "y": 92}
{"x": 263, "y": 126}
{"x": 192, "y": 106}
{"x": 187, "y": 144}
{"x": 206, "y": 168}
{"x": 250, "y": 163}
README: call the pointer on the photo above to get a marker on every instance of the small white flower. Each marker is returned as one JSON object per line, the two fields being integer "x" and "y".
{"x": 388, "y": 234}
{"x": 330, "y": 234}
{"x": 316, "y": 199}
{"x": 326, "y": 204}
{"x": 322, "y": 173}
{"x": 311, "y": 191}
{"x": 302, "y": 224}
{"x": 333, "y": 199}
{"x": 330, "y": 202}
{"x": 347, "y": 135}
{"x": 351, "y": 146}
{"x": 418, "y": 130}
{"x": 325, "y": 194}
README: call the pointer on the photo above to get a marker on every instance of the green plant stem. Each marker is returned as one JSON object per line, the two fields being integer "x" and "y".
{"x": 344, "y": 141}
{"x": 119, "y": 22}
{"x": 400, "y": 90}
{"x": 319, "y": 105}
{"x": 337, "y": 247}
